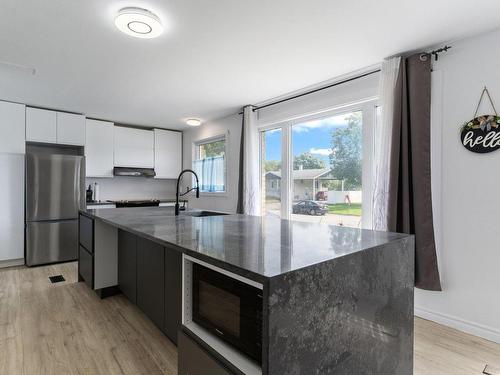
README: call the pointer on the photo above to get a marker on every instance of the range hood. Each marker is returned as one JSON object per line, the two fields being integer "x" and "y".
{"x": 134, "y": 172}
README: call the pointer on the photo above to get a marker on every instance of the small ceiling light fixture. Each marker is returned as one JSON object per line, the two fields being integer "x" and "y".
{"x": 193, "y": 122}
{"x": 138, "y": 22}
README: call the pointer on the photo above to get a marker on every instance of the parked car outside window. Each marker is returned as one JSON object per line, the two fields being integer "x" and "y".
{"x": 308, "y": 207}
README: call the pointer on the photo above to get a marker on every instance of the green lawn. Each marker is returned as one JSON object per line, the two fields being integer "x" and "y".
{"x": 344, "y": 209}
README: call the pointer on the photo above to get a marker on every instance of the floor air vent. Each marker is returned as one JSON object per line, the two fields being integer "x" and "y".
{"x": 56, "y": 279}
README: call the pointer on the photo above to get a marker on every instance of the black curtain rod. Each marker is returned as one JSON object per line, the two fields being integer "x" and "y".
{"x": 315, "y": 90}
{"x": 434, "y": 53}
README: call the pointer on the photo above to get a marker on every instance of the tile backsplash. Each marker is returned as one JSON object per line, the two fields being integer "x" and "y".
{"x": 118, "y": 188}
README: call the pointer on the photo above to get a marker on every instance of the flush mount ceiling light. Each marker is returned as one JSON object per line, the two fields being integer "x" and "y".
{"x": 193, "y": 122}
{"x": 138, "y": 22}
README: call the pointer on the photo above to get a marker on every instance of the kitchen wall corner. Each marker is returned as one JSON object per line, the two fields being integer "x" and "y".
{"x": 231, "y": 127}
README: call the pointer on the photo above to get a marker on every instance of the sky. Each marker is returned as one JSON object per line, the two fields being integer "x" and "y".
{"x": 312, "y": 136}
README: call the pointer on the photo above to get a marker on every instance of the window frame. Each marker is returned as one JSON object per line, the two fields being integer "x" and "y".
{"x": 196, "y": 154}
{"x": 368, "y": 108}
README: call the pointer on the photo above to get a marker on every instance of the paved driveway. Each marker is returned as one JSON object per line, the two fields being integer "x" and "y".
{"x": 331, "y": 219}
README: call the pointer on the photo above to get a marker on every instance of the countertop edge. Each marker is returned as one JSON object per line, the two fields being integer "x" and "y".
{"x": 263, "y": 279}
{"x": 206, "y": 258}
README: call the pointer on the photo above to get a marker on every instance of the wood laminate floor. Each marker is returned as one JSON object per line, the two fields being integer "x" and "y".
{"x": 65, "y": 328}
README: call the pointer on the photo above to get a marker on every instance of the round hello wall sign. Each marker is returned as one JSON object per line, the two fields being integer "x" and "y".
{"x": 482, "y": 133}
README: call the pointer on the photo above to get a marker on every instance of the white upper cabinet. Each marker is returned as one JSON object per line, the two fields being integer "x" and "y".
{"x": 168, "y": 153}
{"x": 99, "y": 148}
{"x": 12, "y": 128}
{"x": 47, "y": 126}
{"x": 70, "y": 129}
{"x": 41, "y": 125}
{"x": 133, "y": 147}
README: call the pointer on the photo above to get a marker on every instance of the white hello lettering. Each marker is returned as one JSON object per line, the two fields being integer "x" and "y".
{"x": 491, "y": 140}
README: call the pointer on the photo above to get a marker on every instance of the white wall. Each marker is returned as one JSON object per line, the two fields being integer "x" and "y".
{"x": 118, "y": 188}
{"x": 230, "y": 127}
{"x": 467, "y": 211}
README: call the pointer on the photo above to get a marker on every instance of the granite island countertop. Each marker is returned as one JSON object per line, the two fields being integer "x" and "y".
{"x": 256, "y": 247}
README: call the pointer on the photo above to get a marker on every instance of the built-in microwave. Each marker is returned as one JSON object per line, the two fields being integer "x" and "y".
{"x": 229, "y": 309}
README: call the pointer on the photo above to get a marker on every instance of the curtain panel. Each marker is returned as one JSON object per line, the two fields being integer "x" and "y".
{"x": 249, "y": 181}
{"x": 211, "y": 172}
{"x": 382, "y": 143}
{"x": 410, "y": 200}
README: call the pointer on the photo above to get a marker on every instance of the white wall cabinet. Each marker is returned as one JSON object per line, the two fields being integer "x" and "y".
{"x": 70, "y": 129}
{"x": 98, "y": 148}
{"x": 41, "y": 125}
{"x": 133, "y": 147}
{"x": 168, "y": 153}
{"x": 12, "y": 129}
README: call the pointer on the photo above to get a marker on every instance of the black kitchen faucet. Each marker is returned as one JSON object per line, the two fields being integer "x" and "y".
{"x": 177, "y": 195}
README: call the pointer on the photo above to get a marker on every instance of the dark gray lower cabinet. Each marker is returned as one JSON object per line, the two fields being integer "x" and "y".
{"x": 173, "y": 293}
{"x": 127, "y": 265}
{"x": 86, "y": 266}
{"x": 86, "y": 232}
{"x": 151, "y": 280}
{"x": 194, "y": 360}
{"x": 150, "y": 276}
{"x": 86, "y": 250}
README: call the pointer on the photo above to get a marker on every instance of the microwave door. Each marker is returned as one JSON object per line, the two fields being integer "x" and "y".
{"x": 229, "y": 309}
{"x": 219, "y": 308}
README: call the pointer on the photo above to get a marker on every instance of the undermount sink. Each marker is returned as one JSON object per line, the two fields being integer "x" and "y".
{"x": 203, "y": 213}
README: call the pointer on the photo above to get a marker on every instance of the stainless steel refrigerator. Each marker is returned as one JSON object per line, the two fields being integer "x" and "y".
{"x": 55, "y": 190}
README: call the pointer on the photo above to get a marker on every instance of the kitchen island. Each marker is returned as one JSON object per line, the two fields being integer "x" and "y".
{"x": 336, "y": 300}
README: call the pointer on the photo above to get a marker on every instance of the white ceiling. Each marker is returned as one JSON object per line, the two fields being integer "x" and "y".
{"x": 215, "y": 56}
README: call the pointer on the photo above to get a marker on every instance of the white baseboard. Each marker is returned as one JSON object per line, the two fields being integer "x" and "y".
{"x": 11, "y": 263}
{"x": 475, "y": 329}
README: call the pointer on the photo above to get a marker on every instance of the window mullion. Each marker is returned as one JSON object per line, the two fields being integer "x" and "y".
{"x": 286, "y": 171}
{"x": 369, "y": 114}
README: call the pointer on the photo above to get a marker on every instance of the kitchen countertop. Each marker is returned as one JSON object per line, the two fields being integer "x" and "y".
{"x": 256, "y": 247}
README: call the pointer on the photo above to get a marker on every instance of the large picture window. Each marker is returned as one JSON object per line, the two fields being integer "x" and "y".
{"x": 210, "y": 164}
{"x": 328, "y": 163}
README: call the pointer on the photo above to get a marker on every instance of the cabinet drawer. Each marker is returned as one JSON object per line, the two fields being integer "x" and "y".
{"x": 86, "y": 266}
{"x": 87, "y": 233}
{"x": 194, "y": 360}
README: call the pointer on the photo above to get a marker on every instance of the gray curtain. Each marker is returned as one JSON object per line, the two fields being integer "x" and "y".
{"x": 410, "y": 201}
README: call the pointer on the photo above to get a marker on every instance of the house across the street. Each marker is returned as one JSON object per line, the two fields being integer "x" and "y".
{"x": 306, "y": 183}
